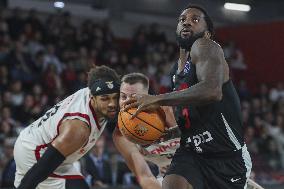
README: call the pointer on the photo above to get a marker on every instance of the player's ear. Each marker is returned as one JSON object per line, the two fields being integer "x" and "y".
{"x": 207, "y": 34}
{"x": 93, "y": 98}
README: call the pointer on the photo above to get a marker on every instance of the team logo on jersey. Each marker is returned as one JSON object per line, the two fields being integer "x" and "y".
{"x": 199, "y": 139}
{"x": 186, "y": 67}
{"x": 140, "y": 129}
{"x": 110, "y": 84}
{"x": 82, "y": 151}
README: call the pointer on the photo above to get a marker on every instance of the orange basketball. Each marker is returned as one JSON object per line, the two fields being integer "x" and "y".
{"x": 145, "y": 128}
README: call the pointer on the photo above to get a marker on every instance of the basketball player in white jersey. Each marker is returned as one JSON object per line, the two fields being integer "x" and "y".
{"x": 159, "y": 153}
{"x": 46, "y": 150}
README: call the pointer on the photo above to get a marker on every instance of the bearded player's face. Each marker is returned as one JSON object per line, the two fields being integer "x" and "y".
{"x": 106, "y": 105}
{"x": 191, "y": 26}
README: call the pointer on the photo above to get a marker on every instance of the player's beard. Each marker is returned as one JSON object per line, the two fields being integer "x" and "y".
{"x": 186, "y": 43}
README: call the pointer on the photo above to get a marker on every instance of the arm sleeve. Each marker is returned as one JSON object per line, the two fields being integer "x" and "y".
{"x": 50, "y": 160}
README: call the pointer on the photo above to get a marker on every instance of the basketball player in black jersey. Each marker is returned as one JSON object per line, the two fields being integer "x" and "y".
{"x": 213, "y": 154}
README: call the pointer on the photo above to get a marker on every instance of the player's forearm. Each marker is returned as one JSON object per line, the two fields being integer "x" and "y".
{"x": 202, "y": 93}
{"x": 124, "y": 147}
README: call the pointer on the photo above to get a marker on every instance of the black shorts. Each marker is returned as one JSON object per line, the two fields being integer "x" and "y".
{"x": 76, "y": 184}
{"x": 207, "y": 172}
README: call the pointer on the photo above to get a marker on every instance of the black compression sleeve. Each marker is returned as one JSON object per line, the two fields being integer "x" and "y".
{"x": 50, "y": 160}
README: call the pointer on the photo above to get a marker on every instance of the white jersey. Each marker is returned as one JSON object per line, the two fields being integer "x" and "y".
{"x": 33, "y": 140}
{"x": 162, "y": 153}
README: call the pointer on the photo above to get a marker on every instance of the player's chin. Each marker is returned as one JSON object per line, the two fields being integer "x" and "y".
{"x": 111, "y": 114}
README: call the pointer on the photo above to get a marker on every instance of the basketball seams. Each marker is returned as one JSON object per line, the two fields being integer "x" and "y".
{"x": 130, "y": 131}
{"x": 146, "y": 122}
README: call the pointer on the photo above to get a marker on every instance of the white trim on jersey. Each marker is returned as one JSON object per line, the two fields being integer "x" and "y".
{"x": 231, "y": 134}
{"x": 248, "y": 163}
{"x": 245, "y": 153}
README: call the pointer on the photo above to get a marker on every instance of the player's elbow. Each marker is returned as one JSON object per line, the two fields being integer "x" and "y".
{"x": 215, "y": 94}
{"x": 218, "y": 95}
{"x": 148, "y": 182}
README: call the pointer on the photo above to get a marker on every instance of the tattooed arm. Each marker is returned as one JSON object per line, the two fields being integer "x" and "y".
{"x": 211, "y": 70}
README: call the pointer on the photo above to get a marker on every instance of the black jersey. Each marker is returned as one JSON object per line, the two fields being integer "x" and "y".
{"x": 212, "y": 128}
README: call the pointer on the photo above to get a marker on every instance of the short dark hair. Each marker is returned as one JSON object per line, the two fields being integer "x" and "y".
{"x": 103, "y": 73}
{"x": 134, "y": 78}
{"x": 209, "y": 23}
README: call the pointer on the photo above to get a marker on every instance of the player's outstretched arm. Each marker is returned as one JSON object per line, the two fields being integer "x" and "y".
{"x": 135, "y": 161}
{"x": 73, "y": 134}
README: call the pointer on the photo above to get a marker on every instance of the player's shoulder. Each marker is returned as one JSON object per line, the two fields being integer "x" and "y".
{"x": 85, "y": 90}
{"x": 205, "y": 46}
{"x": 205, "y": 43}
{"x": 81, "y": 94}
{"x": 76, "y": 101}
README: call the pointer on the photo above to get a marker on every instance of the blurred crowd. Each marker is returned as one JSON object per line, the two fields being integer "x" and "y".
{"x": 44, "y": 60}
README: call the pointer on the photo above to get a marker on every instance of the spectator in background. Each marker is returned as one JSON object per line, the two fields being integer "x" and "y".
{"x": 8, "y": 174}
{"x": 19, "y": 63}
{"x": 17, "y": 94}
{"x": 4, "y": 28}
{"x": 234, "y": 56}
{"x": 97, "y": 167}
{"x": 27, "y": 112}
{"x": 50, "y": 58}
{"x": 277, "y": 93}
{"x": 52, "y": 82}
{"x": 4, "y": 80}
{"x": 243, "y": 90}
{"x": 6, "y": 117}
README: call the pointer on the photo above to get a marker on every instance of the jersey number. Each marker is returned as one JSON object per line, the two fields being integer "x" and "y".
{"x": 49, "y": 113}
{"x": 185, "y": 111}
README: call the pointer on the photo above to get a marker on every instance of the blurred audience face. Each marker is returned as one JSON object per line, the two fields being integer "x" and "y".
{"x": 7, "y": 98}
{"x": 280, "y": 121}
{"x": 50, "y": 49}
{"x": 17, "y": 87}
{"x": 37, "y": 89}
{"x": 256, "y": 104}
{"x": 6, "y": 113}
{"x": 29, "y": 101}
{"x": 269, "y": 118}
{"x": 6, "y": 128}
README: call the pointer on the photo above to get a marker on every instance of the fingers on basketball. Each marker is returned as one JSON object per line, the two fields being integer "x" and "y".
{"x": 145, "y": 128}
